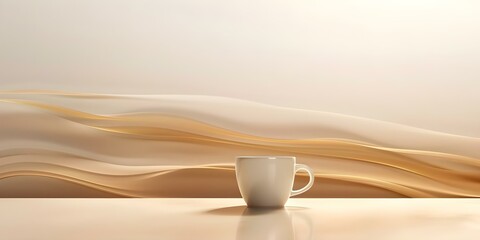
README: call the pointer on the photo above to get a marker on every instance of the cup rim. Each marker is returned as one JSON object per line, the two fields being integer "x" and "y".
{"x": 266, "y": 157}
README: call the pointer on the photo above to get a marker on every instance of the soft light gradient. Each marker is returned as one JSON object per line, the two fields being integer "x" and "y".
{"x": 414, "y": 62}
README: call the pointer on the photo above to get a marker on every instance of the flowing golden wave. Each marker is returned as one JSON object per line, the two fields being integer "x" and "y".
{"x": 184, "y": 146}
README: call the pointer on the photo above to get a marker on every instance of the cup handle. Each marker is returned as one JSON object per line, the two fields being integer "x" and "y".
{"x": 299, "y": 167}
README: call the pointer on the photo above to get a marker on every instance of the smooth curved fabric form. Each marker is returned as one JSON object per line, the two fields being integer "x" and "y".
{"x": 56, "y": 144}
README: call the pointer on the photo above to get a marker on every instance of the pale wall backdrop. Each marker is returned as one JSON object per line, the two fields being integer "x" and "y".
{"x": 414, "y": 62}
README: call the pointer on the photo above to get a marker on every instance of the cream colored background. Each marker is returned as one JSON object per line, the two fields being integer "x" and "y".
{"x": 411, "y": 62}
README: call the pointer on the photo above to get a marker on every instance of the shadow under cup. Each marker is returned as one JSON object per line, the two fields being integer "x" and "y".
{"x": 267, "y": 181}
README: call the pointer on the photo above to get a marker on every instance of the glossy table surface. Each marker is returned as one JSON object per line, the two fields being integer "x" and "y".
{"x": 217, "y": 218}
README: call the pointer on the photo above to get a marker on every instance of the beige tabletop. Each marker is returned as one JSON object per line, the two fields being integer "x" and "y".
{"x": 218, "y": 218}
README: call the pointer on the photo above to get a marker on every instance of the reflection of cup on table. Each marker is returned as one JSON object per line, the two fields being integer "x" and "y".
{"x": 265, "y": 224}
{"x": 267, "y": 181}
{"x": 269, "y": 223}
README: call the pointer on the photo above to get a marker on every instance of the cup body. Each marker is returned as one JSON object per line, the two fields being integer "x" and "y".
{"x": 265, "y": 181}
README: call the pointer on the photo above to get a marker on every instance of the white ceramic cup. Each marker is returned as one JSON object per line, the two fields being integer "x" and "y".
{"x": 267, "y": 181}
